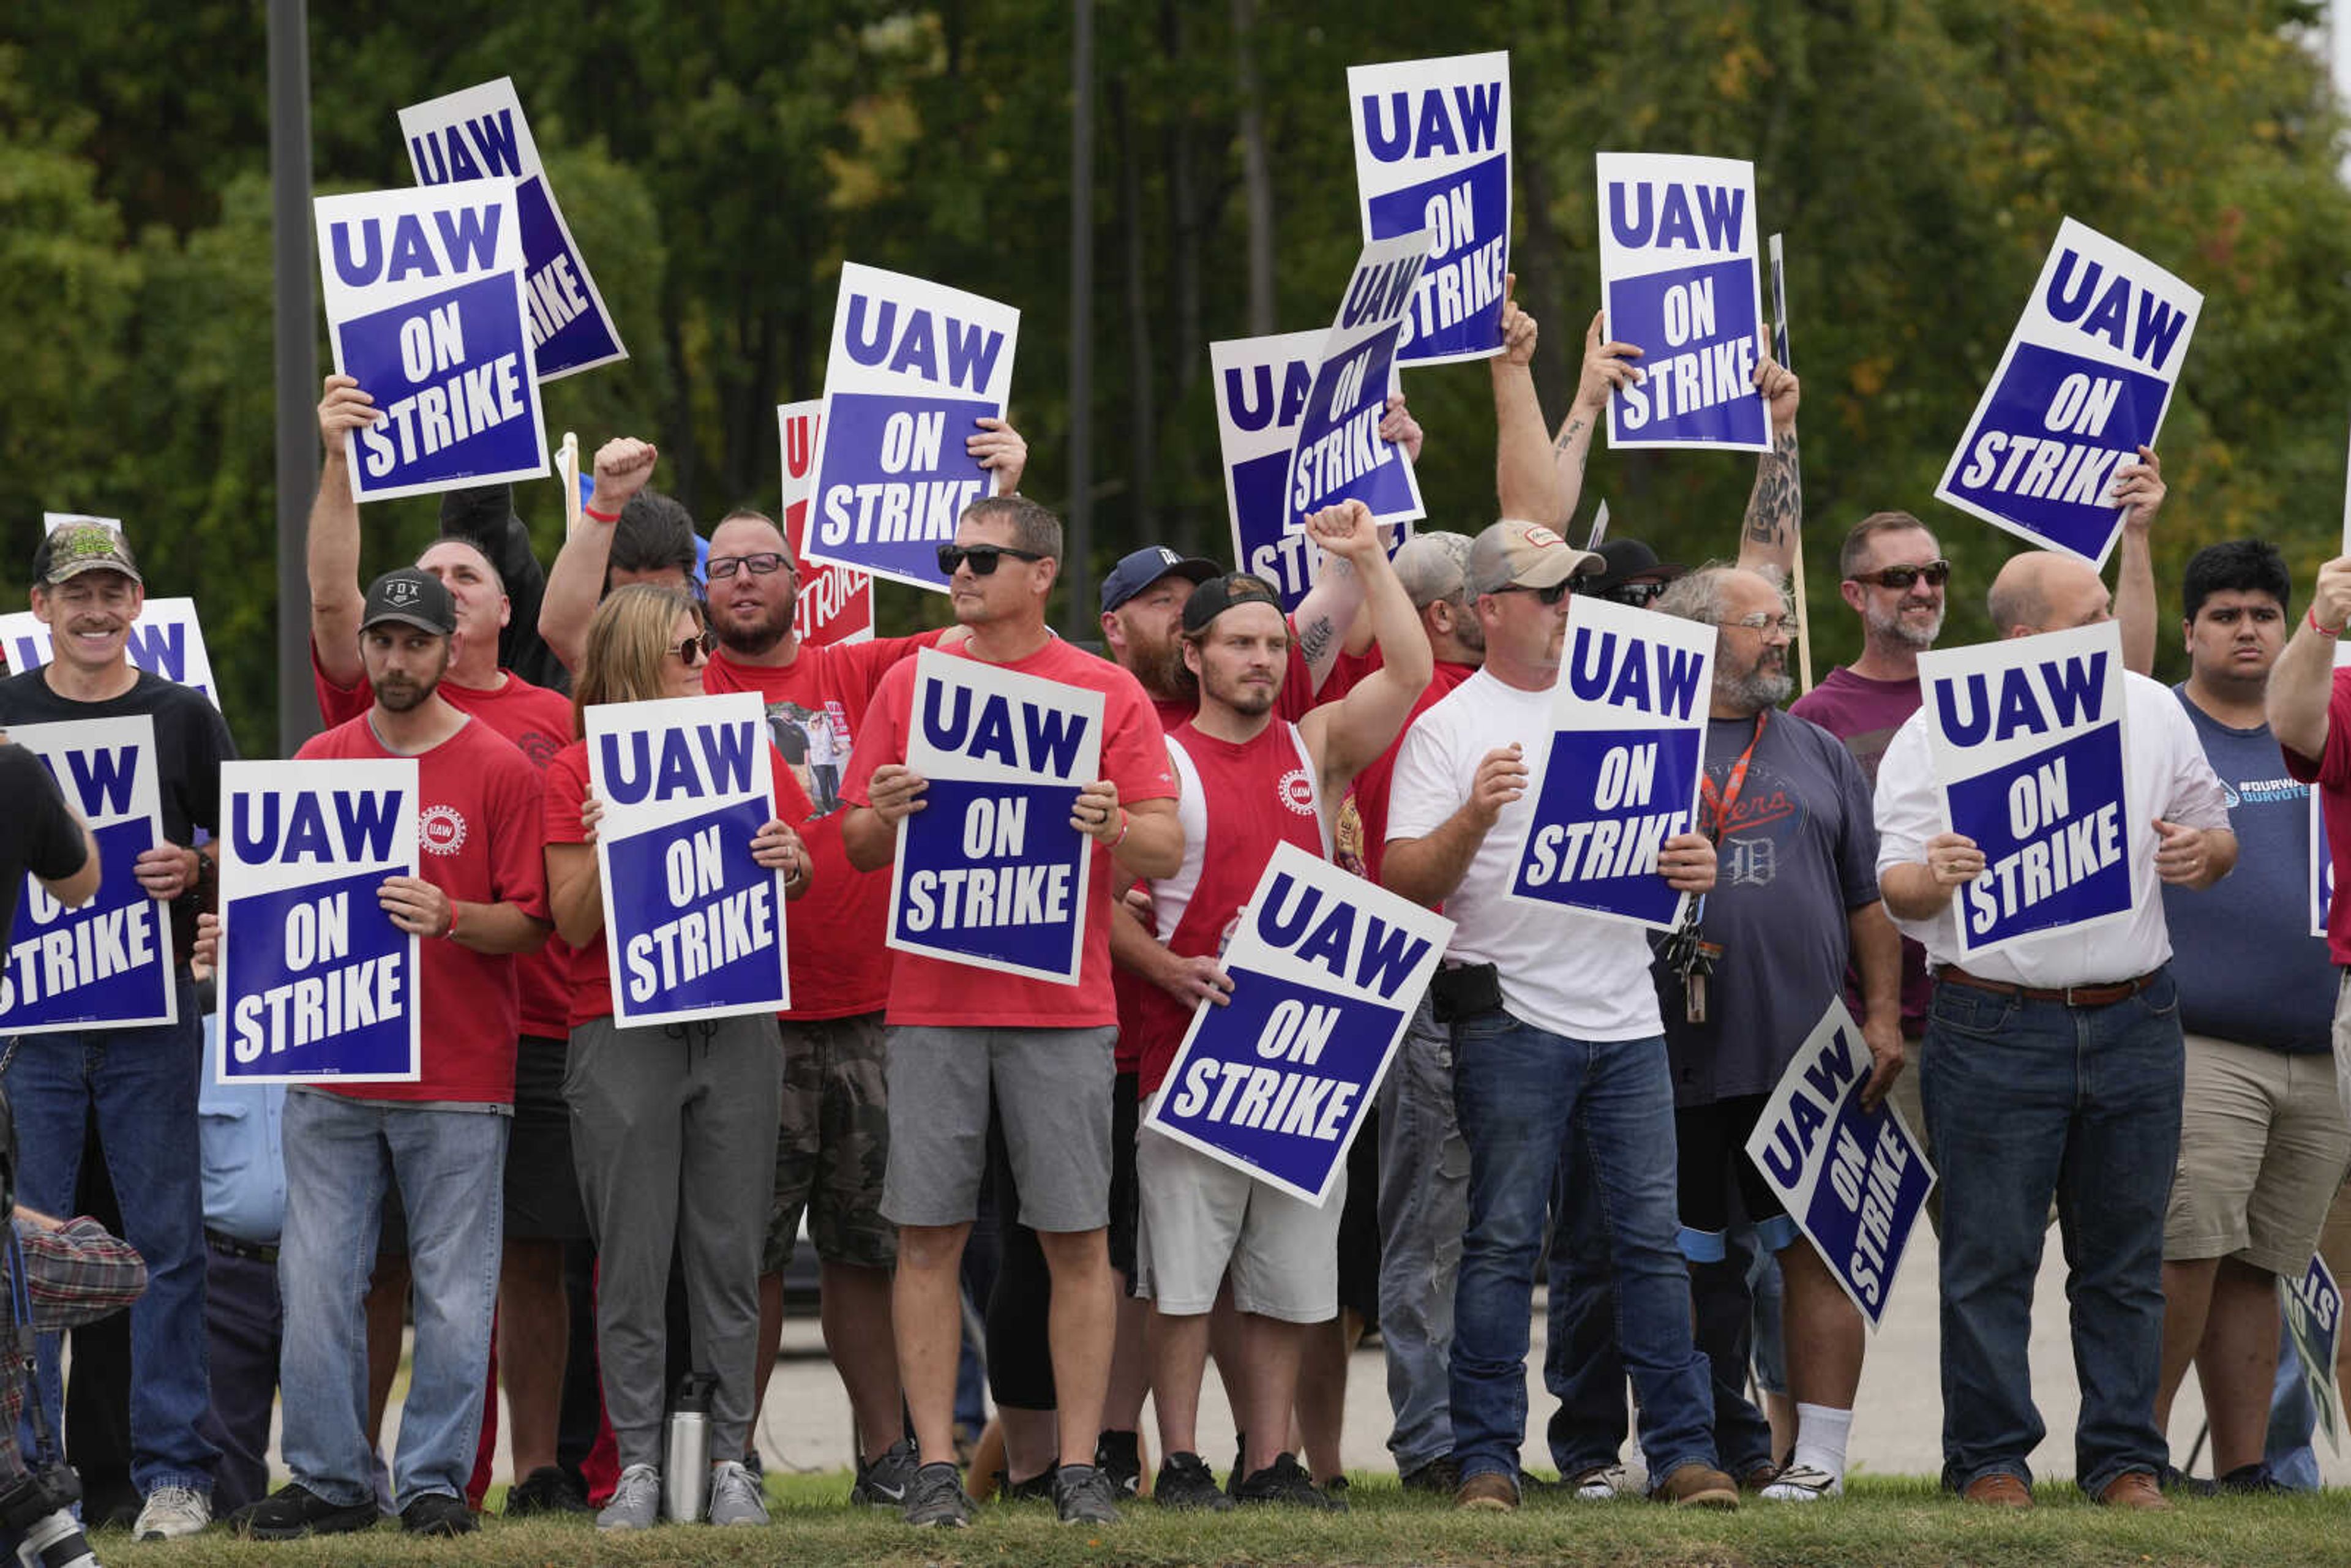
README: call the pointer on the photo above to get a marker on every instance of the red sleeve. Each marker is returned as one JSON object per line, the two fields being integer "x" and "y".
{"x": 1134, "y": 749}
{"x": 567, "y": 787}
{"x": 338, "y": 705}
{"x": 877, "y": 656}
{"x": 883, "y": 738}
{"x": 518, "y": 866}
{"x": 791, "y": 800}
{"x": 2332, "y": 768}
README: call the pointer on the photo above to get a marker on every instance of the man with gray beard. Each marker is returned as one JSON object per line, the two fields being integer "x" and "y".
{"x": 1795, "y": 893}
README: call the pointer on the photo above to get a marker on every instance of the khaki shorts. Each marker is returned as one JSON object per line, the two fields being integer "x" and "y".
{"x": 1203, "y": 1221}
{"x": 2263, "y": 1145}
{"x": 834, "y": 1146}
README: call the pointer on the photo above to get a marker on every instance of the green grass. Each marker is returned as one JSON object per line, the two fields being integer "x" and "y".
{"x": 1883, "y": 1522}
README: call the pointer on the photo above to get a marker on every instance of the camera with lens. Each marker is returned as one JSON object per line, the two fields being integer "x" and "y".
{"x": 38, "y": 1511}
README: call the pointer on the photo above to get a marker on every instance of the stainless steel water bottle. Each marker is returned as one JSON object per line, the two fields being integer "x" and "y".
{"x": 686, "y": 1459}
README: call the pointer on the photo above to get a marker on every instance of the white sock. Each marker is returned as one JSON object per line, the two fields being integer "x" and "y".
{"x": 1820, "y": 1434}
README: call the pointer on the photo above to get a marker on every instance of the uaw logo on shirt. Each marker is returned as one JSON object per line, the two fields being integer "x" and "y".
{"x": 1297, "y": 791}
{"x": 441, "y": 830}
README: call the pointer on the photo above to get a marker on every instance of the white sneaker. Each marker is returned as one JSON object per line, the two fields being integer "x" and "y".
{"x": 736, "y": 1497}
{"x": 1601, "y": 1483}
{"x": 636, "y": 1501}
{"x": 172, "y": 1511}
{"x": 1803, "y": 1483}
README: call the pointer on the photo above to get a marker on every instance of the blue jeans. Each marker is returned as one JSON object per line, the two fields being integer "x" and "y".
{"x": 2025, "y": 1099}
{"x": 1424, "y": 1203}
{"x": 1523, "y": 1093}
{"x": 341, "y": 1154}
{"x": 141, "y": 1083}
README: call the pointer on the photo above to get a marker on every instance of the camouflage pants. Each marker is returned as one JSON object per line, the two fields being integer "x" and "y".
{"x": 833, "y": 1144}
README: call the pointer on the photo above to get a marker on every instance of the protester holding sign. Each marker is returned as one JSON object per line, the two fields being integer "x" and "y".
{"x": 1795, "y": 893}
{"x": 1040, "y": 1051}
{"x": 140, "y": 1084}
{"x": 1554, "y": 1025}
{"x": 1245, "y": 784}
{"x": 2264, "y": 1142}
{"x": 673, "y": 1125}
{"x": 2053, "y": 1065}
{"x": 442, "y": 1136}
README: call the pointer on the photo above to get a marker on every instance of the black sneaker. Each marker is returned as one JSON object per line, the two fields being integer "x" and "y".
{"x": 293, "y": 1510}
{"x": 1185, "y": 1481}
{"x": 1286, "y": 1482}
{"x": 936, "y": 1497}
{"x": 2178, "y": 1480}
{"x": 883, "y": 1483}
{"x": 438, "y": 1513}
{"x": 546, "y": 1489}
{"x": 1038, "y": 1488}
{"x": 1082, "y": 1495}
{"x": 2249, "y": 1480}
{"x": 1119, "y": 1455}
{"x": 1440, "y": 1476}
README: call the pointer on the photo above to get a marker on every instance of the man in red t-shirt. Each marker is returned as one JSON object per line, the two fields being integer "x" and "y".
{"x": 962, "y": 1037}
{"x": 443, "y": 1138}
{"x": 543, "y": 1210}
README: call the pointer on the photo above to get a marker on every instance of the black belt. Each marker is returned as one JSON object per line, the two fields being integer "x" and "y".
{"x": 236, "y": 1248}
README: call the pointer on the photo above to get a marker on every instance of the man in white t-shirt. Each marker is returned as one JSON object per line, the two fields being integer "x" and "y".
{"x": 2054, "y": 1066}
{"x": 1555, "y": 1030}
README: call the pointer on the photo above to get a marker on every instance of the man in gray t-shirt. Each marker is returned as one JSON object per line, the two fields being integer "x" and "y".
{"x": 1795, "y": 893}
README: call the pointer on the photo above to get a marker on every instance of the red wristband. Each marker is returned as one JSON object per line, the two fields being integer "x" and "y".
{"x": 589, "y": 511}
{"x": 450, "y": 933}
{"x": 2321, "y": 631}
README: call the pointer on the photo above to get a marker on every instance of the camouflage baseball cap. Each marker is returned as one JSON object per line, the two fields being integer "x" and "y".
{"x": 78, "y": 547}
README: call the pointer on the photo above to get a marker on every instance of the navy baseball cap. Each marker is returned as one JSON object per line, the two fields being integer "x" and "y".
{"x": 1146, "y": 566}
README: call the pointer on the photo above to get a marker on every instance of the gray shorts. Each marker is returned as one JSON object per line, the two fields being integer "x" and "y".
{"x": 1204, "y": 1221}
{"x": 1051, "y": 1087}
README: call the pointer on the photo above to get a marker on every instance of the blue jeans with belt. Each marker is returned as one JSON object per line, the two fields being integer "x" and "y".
{"x": 2025, "y": 1099}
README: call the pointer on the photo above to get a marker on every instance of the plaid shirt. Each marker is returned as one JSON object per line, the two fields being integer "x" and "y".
{"x": 73, "y": 1274}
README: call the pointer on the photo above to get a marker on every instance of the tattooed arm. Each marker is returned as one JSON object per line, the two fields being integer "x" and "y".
{"x": 1775, "y": 508}
{"x": 1607, "y": 366}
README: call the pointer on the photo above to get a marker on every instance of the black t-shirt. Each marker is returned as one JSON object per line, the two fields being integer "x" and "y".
{"x": 37, "y": 833}
{"x": 191, "y": 740}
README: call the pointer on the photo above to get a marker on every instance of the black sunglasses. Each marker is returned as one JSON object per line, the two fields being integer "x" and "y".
{"x": 982, "y": 559}
{"x": 1551, "y": 595}
{"x": 1637, "y": 595}
{"x": 1936, "y": 572}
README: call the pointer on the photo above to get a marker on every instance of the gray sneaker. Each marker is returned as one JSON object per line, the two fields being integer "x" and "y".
{"x": 883, "y": 1483}
{"x": 936, "y": 1497}
{"x": 1082, "y": 1495}
{"x": 734, "y": 1495}
{"x": 636, "y": 1501}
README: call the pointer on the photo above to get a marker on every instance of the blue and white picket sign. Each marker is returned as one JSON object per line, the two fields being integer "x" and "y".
{"x": 1338, "y": 453}
{"x": 2026, "y": 738}
{"x": 693, "y": 926}
{"x": 166, "y": 640}
{"x": 1433, "y": 152}
{"x": 2083, "y": 385}
{"x": 108, "y": 964}
{"x": 1679, "y": 280}
{"x": 424, "y": 310}
{"x": 481, "y": 133}
{"x": 316, "y": 982}
{"x": 990, "y": 873}
{"x": 2312, "y": 1307}
{"x": 2321, "y": 868}
{"x": 1782, "y": 349}
{"x": 1618, "y": 775}
{"x": 1326, "y": 970}
{"x": 1854, "y": 1181}
{"x": 914, "y": 365}
{"x": 1260, "y": 388}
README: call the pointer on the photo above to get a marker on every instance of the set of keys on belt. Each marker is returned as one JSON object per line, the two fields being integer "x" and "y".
{"x": 1692, "y": 957}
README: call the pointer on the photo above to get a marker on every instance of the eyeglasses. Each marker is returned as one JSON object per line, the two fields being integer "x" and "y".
{"x": 1551, "y": 595}
{"x": 696, "y": 648}
{"x": 1936, "y": 572}
{"x": 1637, "y": 595}
{"x": 1764, "y": 621}
{"x": 719, "y": 568}
{"x": 982, "y": 559}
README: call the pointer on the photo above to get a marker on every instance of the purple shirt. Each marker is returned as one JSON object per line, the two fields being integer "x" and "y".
{"x": 1864, "y": 713}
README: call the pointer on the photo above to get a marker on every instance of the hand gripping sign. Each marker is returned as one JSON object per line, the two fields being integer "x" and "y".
{"x": 1261, "y": 385}
{"x": 2312, "y": 1307}
{"x": 314, "y": 979}
{"x": 1326, "y": 970}
{"x": 2026, "y": 735}
{"x": 2083, "y": 386}
{"x": 913, "y": 365}
{"x": 836, "y": 604}
{"x": 166, "y": 640}
{"x": 1620, "y": 774}
{"x": 693, "y": 926}
{"x": 990, "y": 873}
{"x": 108, "y": 964}
{"x": 1338, "y": 453}
{"x": 1680, "y": 279}
{"x": 424, "y": 310}
{"x": 1433, "y": 152}
{"x": 1854, "y": 1181}
{"x": 480, "y": 133}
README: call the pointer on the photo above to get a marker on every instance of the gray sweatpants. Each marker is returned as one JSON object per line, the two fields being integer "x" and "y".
{"x": 674, "y": 1133}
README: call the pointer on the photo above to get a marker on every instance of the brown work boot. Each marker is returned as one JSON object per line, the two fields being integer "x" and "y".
{"x": 1998, "y": 1489}
{"x": 1487, "y": 1491}
{"x": 1696, "y": 1485}
{"x": 2136, "y": 1491}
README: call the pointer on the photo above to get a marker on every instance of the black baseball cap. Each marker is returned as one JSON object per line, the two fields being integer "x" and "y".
{"x": 1220, "y": 594}
{"x": 413, "y": 597}
{"x": 1140, "y": 568}
{"x": 1629, "y": 560}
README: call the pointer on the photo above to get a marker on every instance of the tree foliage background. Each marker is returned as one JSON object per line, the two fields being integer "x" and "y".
{"x": 719, "y": 160}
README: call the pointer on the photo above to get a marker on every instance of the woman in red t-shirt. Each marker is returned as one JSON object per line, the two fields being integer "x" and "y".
{"x": 673, "y": 1127}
